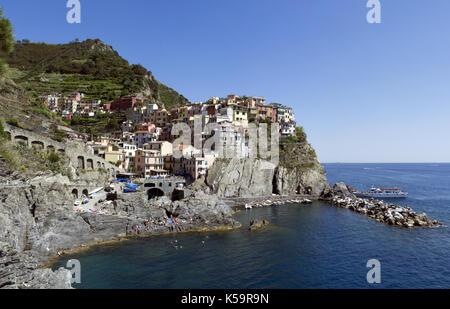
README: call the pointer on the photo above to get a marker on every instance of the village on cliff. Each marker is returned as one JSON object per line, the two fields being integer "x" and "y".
{"x": 143, "y": 146}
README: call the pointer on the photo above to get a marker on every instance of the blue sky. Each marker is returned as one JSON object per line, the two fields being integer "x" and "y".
{"x": 364, "y": 92}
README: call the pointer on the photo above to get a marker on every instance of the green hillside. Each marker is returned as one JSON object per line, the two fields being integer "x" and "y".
{"x": 91, "y": 67}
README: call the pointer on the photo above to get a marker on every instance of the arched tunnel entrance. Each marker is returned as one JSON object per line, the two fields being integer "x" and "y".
{"x": 177, "y": 195}
{"x": 155, "y": 192}
{"x": 85, "y": 192}
{"x": 75, "y": 193}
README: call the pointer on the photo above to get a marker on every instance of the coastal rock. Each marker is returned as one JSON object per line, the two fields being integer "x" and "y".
{"x": 205, "y": 209}
{"x": 258, "y": 224}
{"x": 340, "y": 189}
{"x": 38, "y": 220}
{"x": 385, "y": 213}
{"x": 244, "y": 178}
{"x": 299, "y": 172}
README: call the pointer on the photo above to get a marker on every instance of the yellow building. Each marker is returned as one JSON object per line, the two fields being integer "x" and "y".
{"x": 113, "y": 153}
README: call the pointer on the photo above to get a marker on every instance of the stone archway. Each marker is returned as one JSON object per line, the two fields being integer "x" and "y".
{"x": 177, "y": 195}
{"x": 154, "y": 192}
{"x": 75, "y": 193}
{"x": 85, "y": 192}
{"x": 51, "y": 148}
{"x": 61, "y": 151}
{"x": 20, "y": 139}
{"x": 38, "y": 145}
{"x": 90, "y": 164}
{"x": 81, "y": 163}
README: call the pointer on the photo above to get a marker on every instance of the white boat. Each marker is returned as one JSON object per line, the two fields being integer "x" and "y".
{"x": 382, "y": 193}
{"x": 247, "y": 206}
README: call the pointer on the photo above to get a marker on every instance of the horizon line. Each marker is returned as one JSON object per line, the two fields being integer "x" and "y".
{"x": 335, "y": 162}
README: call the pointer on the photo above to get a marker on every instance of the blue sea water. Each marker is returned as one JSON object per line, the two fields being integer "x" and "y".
{"x": 314, "y": 246}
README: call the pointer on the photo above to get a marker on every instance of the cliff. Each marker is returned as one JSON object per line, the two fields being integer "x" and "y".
{"x": 38, "y": 220}
{"x": 241, "y": 178}
{"x": 299, "y": 172}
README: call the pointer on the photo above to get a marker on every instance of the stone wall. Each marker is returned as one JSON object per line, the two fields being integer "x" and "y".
{"x": 79, "y": 155}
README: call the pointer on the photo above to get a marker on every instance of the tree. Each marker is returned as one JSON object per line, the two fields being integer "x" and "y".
{"x": 6, "y": 41}
{"x": 300, "y": 133}
{"x": 113, "y": 125}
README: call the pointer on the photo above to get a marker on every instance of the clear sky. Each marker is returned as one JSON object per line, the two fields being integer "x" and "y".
{"x": 364, "y": 92}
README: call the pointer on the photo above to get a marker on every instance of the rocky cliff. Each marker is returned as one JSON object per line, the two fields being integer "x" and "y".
{"x": 241, "y": 177}
{"x": 299, "y": 172}
{"x": 38, "y": 220}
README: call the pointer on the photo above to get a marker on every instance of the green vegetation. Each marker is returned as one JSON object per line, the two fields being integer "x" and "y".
{"x": 170, "y": 97}
{"x": 90, "y": 67}
{"x": 300, "y": 134}
{"x": 21, "y": 158}
{"x": 13, "y": 122}
{"x": 299, "y": 137}
{"x": 39, "y": 107}
{"x": 3, "y": 134}
{"x": 97, "y": 125}
{"x": 53, "y": 158}
{"x": 6, "y": 41}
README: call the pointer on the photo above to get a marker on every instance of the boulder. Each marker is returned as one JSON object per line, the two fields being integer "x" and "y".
{"x": 340, "y": 189}
{"x": 257, "y": 224}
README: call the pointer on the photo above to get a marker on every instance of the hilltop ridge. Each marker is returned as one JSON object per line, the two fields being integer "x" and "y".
{"x": 91, "y": 67}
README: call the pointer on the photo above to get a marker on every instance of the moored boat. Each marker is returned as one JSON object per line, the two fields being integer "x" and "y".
{"x": 382, "y": 193}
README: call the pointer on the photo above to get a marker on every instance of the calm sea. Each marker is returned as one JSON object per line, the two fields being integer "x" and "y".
{"x": 314, "y": 246}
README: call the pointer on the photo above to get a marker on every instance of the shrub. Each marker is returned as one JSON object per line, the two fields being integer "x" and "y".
{"x": 13, "y": 122}
{"x": 3, "y": 134}
{"x": 53, "y": 157}
{"x": 300, "y": 133}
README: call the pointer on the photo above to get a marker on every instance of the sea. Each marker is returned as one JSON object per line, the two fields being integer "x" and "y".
{"x": 315, "y": 246}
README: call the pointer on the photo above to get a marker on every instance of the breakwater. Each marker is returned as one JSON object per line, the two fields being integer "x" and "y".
{"x": 384, "y": 212}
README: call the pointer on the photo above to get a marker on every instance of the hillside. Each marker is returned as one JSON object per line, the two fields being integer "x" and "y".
{"x": 91, "y": 67}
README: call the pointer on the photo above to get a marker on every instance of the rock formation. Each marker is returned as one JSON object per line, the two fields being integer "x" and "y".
{"x": 299, "y": 172}
{"x": 258, "y": 224}
{"x": 244, "y": 178}
{"x": 384, "y": 212}
{"x": 38, "y": 220}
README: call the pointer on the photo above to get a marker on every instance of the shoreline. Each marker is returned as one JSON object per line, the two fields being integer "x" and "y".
{"x": 235, "y": 204}
{"x": 121, "y": 239}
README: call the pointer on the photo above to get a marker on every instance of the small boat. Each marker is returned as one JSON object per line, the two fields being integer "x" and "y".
{"x": 247, "y": 206}
{"x": 382, "y": 193}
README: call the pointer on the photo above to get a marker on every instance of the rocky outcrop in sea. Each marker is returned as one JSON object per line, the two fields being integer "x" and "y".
{"x": 379, "y": 210}
{"x": 299, "y": 173}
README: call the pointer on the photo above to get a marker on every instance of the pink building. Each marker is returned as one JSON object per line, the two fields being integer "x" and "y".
{"x": 147, "y": 127}
{"x": 149, "y": 163}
